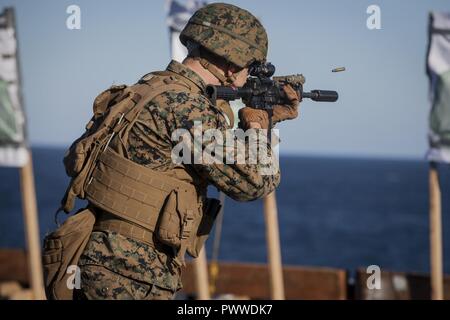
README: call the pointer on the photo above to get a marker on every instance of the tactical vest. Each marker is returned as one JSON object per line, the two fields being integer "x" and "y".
{"x": 134, "y": 200}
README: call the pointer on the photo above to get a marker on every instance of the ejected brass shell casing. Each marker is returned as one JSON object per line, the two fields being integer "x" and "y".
{"x": 340, "y": 69}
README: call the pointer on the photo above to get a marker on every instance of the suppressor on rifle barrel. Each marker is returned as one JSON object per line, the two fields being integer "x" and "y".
{"x": 321, "y": 95}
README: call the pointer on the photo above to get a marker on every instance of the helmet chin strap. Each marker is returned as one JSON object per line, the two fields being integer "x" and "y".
{"x": 224, "y": 80}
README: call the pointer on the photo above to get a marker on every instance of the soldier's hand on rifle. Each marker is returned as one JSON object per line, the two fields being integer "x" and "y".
{"x": 254, "y": 118}
{"x": 287, "y": 111}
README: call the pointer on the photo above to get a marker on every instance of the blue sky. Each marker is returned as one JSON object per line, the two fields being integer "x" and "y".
{"x": 383, "y": 106}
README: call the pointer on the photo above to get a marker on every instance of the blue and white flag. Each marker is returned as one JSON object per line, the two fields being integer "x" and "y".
{"x": 13, "y": 151}
{"x": 177, "y": 17}
{"x": 438, "y": 70}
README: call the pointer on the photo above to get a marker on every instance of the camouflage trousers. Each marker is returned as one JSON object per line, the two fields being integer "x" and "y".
{"x": 99, "y": 283}
{"x": 114, "y": 267}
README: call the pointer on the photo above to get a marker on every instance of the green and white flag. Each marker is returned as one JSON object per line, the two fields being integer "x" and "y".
{"x": 438, "y": 70}
{"x": 13, "y": 151}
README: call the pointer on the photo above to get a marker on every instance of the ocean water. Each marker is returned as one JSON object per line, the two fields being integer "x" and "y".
{"x": 336, "y": 212}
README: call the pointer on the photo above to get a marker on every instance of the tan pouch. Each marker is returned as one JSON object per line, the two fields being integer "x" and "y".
{"x": 62, "y": 249}
{"x": 181, "y": 220}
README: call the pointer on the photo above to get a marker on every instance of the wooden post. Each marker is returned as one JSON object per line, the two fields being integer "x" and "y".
{"x": 213, "y": 263}
{"x": 437, "y": 287}
{"x": 32, "y": 229}
{"x": 28, "y": 192}
{"x": 218, "y": 229}
{"x": 273, "y": 245}
{"x": 201, "y": 276}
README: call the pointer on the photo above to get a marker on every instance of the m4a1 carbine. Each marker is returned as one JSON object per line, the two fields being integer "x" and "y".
{"x": 262, "y": 91}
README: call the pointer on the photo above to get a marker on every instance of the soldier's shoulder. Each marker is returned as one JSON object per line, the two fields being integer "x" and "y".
{"x": 181, "y": 95}
{"x": 168, "y": 79}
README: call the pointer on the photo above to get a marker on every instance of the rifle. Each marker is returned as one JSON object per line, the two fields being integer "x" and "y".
{"x": 263, "y": 92}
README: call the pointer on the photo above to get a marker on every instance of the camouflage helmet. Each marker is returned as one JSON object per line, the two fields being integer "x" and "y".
{"x": 229, "y": 32}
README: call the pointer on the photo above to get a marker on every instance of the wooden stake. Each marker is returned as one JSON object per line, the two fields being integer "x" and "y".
{"x": 437, "y": 287}
{"x": 32, "y": 229}
{"x": 201, "y": 275}
{"x": 273, "y": 245}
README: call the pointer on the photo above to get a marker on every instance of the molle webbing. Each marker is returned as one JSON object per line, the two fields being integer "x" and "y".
{"x": 106, "y": 221}
{"x": 131, "y": 191}
{"x": 86, "y": 149}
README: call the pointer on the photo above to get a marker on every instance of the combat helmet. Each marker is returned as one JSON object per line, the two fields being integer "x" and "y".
{"x": 229, "y": 32}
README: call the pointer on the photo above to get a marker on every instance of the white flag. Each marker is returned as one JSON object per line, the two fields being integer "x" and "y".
{"x": 13, "y": 151}
{"x": 438, "y": 69}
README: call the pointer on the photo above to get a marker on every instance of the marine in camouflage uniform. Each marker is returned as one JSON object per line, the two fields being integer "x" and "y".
{"x": 117, "y": 267}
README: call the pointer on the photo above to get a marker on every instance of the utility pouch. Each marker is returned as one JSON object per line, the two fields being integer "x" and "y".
{"x": 171, "y": 220}
{"x": 62, "y": 250}
{"x": 178, "y": 223}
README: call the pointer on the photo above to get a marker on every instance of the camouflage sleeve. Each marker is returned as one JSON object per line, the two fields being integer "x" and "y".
{"x": 235, "y": 168}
